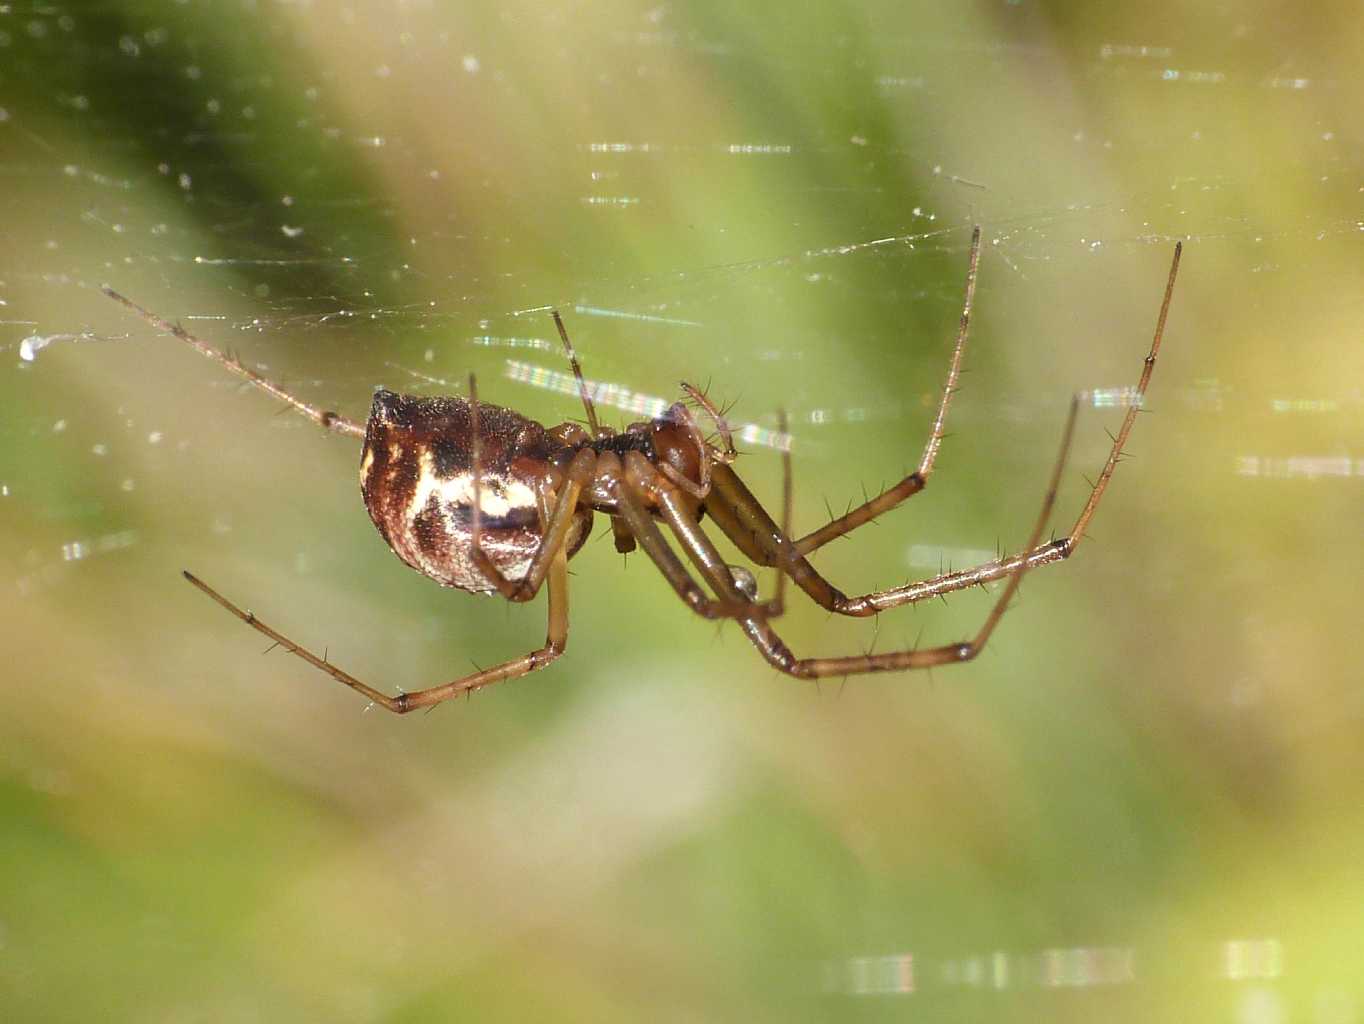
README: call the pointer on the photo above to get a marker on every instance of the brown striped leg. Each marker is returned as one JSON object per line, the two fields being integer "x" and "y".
{"x": 916, "y": 481}
{"x": 629, "y": 490}
{"x": 556, "y": 638}
{"x": 323, "y": 417}
{"x": 679, "y": 514}
{"x": 780, "y": 656}
{"x": 592, "y": 425}
{"x": 1053, "y": 551}
{"x": 741, "y": 516}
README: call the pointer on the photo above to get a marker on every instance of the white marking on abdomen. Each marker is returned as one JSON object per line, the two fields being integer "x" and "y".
{"x": 458, "y": 490}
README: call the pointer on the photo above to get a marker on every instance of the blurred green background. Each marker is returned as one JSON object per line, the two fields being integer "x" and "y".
{"x": 1143, "y": 801}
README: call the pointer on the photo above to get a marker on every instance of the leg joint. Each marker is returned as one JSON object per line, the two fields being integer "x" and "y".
{"x": 546, "y": 654}
{"x": 855, "y": 607}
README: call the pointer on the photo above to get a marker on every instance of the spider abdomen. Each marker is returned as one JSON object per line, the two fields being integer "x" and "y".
{"x": 416, "y": 476}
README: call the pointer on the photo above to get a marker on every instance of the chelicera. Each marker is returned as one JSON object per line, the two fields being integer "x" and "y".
{"x": 482, "y": 499}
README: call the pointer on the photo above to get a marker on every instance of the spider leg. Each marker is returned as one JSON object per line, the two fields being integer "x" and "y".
{"x": 620, "y": 533}
{"x": 592, "y": 424}
{"x": 729, "y": 452}
{"x": 785, "y": 552}
{"x": 680, "y": 516}
{"x": 736, "y": 511}
{"x": 1035, "y": 555}
{"x": 556, "y": 638}
{"x": 323, "y": 417}
{"x": 1148, "y": 367}
{"x": 916, "y": 481}
{"x": 780, "y": 656}
{"x": 557, "y": 511}
{"x": 629, "y": 495}
{"x": 698, "y": 489}
{"x": 742, "y": 518}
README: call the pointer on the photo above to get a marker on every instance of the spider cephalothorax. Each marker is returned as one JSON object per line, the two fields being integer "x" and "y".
{"x": 479, "y": 497}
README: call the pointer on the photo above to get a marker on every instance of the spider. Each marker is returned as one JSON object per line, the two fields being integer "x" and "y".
{"x": 480, "y": 498}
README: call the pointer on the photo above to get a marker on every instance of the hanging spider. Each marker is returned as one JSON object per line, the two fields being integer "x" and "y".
{"x": 481, "y": 498}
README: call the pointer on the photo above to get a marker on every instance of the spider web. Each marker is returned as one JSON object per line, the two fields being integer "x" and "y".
{"x": 344, "y": 204}
{"x": 776, "y": 209}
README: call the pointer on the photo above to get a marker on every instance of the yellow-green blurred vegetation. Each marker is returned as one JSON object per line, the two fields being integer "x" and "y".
{"x": 1143, "y": 802}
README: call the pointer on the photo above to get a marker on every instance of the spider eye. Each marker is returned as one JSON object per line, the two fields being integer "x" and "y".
{"x": 744, "y": 581}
